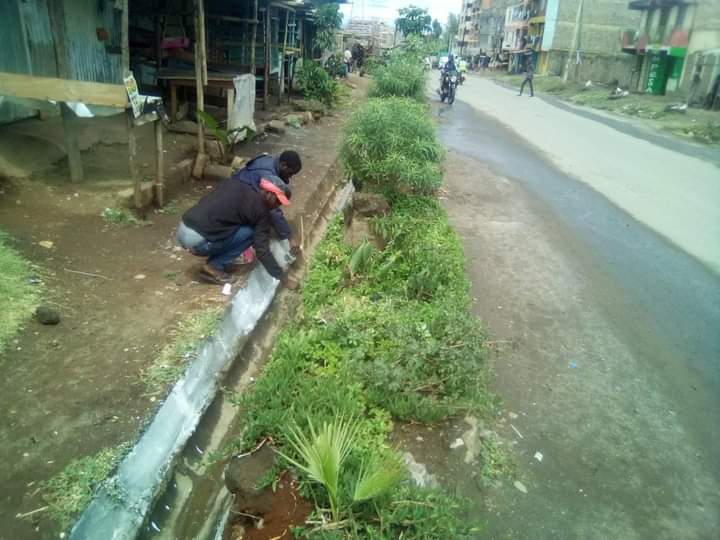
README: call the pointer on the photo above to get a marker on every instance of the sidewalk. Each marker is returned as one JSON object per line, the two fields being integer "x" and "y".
{"x": 76, "y": 388}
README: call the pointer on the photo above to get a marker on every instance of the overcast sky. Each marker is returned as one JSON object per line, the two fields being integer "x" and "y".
{"x": 388, "y": 9}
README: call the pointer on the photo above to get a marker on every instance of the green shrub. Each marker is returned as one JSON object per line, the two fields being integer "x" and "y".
{"x": 315, "y": 83}
{"x": 399, "y": 78}
{"x": 390, "y": 145}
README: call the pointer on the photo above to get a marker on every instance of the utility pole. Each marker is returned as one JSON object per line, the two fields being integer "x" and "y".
{"x": 575, "y": 41}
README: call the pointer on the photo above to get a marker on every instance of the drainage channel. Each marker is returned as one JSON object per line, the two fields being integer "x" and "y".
{"x": 195, "y": 503}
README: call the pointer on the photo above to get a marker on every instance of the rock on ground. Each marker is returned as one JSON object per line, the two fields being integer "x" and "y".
{"x": 242, "y": 475}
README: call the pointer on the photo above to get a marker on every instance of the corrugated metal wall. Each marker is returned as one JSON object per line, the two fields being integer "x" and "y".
{"x": 89, "y": 58}
{"x": 27, "y": 43}
{"x": 13, "y": 55}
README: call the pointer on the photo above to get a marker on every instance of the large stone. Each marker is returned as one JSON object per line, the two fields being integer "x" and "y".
{"x": 242, "y": 476}
{"x": 368, "y": 205}
{"x": 217, "y": 173}
{"x": 126, "y": 197}
{"x": 294, "y": 120}
{"x": 357, "y": 215}
{"x": 47, "y": 315}
{"x": 275, "y": 126}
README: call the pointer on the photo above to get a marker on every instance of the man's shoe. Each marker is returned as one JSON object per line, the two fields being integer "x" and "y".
{"x": 215, "y": 279}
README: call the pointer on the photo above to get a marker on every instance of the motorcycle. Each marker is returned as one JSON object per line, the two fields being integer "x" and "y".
{"x": 448, "y": 87}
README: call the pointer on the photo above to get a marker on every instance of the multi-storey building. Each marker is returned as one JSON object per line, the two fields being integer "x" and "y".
{"x": 677, "y": 46}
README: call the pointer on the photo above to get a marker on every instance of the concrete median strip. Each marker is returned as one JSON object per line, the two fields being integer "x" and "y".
{"x": 121, "y": 504}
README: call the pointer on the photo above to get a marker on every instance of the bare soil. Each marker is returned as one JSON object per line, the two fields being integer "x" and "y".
{"x": 289, "y": 510}
{"x": 72, "y": 389}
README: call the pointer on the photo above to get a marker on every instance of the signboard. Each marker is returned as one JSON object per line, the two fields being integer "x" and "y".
{"x": 133, "y": 95}
{"x": 657, "y": 75}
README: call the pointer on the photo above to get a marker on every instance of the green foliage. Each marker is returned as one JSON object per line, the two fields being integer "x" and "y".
{"x": 323, "y": 453}
{"x": 436, "y": 29}
{"x": 70, "y": 491}
{"x": 316, "y": 84}
{"x": 413, "y": 20}
{"x": 360, "y": 260}
{"x": 390, "y": 145}
{"x": 335, "y": 65}
{"x": 401, "y": 78}
{"x": 378, "y": 476}
{"x": 328, "y": 19}
{"x": 225, "y": 138}
{"x": 120, "y": 216}
{"x": 170, "y": 364}
{"x": 19, "y": 295}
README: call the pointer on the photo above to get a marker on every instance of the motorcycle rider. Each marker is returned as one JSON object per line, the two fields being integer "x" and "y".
{"x": 448, "y": 68}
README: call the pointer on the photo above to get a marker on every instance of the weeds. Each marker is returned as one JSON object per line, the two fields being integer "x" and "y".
{"x": 172, "y": 360}
{"x": 20, "y": 296}
{"x": 120, "y": 216}
{"x": 69, "y": 492}
{"x": 390, "y": 146}
{"x": 316, "y": 84}
{"x": 399, "y": 78}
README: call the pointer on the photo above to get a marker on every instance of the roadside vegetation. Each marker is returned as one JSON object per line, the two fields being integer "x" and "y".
{"x": 697, "y": 124}
{"x": 384, "y": 335}
{"x": 20, "y": 296}
{"x": 70, "y": 491}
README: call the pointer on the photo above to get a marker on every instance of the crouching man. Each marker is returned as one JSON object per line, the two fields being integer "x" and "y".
{"x": 228, "y": 221}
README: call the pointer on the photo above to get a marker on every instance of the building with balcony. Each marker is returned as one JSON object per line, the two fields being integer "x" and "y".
{"x": 482, "y": 27}
{"x": 524, "y": 28}
{"x": 676, "y": 45}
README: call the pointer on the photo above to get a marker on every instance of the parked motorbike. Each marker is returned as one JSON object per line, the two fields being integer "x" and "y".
{"x": 448, "y": 87}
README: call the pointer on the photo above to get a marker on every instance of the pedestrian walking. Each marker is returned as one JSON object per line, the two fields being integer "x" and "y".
{"x": 528, "y": 79}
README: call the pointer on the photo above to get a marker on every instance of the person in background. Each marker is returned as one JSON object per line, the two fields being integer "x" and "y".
{"x": 226, "y": 222}
{"x": 529, "y": 70}
{"x": 348, "y": 60}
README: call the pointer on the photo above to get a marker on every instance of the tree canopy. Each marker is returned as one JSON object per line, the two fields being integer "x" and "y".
{"x": 436, "y": 29}
{"x": 413, "y": 20}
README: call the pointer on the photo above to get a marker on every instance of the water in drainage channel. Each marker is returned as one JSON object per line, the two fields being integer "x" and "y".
{"x": 196, "y": 503}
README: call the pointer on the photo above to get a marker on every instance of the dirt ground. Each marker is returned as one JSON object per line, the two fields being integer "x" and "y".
{"x": 75, "y": 388}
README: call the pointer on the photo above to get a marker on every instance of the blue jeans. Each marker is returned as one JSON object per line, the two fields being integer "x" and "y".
{"x": 220, "y": 253}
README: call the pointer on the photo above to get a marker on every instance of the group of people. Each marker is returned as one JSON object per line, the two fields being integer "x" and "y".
{"x": 243, "y": 211}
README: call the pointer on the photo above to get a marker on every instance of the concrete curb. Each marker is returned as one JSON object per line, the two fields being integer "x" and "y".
{"x": 120, "y": 505}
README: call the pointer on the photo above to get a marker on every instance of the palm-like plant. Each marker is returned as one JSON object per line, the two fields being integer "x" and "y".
{"x": 378, "y": 476}
{"x": 323, "y": 453}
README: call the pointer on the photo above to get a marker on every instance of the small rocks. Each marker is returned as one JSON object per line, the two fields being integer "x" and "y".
{"x": 275, "y": 126}
{"x": 139, "y": 276}
{"x": 47, "y": 244}
{"x": 237, "y": 162}
{"x": 294, "y": 120}
{"x": 47, "y": 315}
{"x": 520, "y": 486}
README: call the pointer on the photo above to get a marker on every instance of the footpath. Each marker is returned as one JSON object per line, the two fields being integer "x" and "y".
{"x": 129, "y": 303}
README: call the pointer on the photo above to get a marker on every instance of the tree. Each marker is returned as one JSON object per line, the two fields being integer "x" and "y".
{"x": 436, "y": 29}
{"x": 328, "y": 20}
{"x": 451, "y": 29}
{"x": 413, "y": 20}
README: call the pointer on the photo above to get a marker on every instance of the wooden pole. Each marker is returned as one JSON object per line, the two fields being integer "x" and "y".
{"x": 268, "y": 44}
{"x": 160, "y": 163}
{"x": 56, "y": 14}
{"x": 199, "y": 87}
{"x": 203, "y": 40}
{"x": 253, "y": 69}
{"x": 281, "y": 73}
{"x": 132, "y": 139}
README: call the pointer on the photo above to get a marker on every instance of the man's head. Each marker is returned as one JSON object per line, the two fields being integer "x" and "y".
{"x": 450, "y": 58}
{"x": 289, "y": 164}
{"x": 273, "y": 195}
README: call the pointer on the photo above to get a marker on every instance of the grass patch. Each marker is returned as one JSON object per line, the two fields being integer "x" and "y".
{"x": 69, "y": 492}
{"x": 19, "y": 296}
{"x": 390, "y": 146}
{"x": 170, "y": 364}
{"x": 399, "y": 78}
{"x": 120, "y": 216}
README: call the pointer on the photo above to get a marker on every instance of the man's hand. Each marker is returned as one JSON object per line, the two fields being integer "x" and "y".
{"x": 295, "y": 249}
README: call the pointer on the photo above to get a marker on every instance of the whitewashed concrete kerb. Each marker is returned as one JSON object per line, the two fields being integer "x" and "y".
{"x": 120, "y": 506}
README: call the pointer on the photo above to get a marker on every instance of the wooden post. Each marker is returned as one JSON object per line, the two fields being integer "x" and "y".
{"x": 203, "y": 40}
{"x": 230, "y": 104}
{"x": 281, "y": 73}
{"x": 199, "y": 87}
{"x": 160, "y": 162}
{"x": 575, "y": 43}
{"x": 56, "y": 14}
{"x": 268, "y": 44}
{"x": 253, "y": 70}
{"x": 132, "y": 139}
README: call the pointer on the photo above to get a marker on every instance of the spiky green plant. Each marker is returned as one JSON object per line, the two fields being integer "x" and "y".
{"x": 360, "y": 259}
{"x": 322, "y": 453}
{"x": 378, "y": 476}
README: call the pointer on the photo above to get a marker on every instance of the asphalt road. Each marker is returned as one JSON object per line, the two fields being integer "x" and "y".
{"x": 594, "y": 255}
